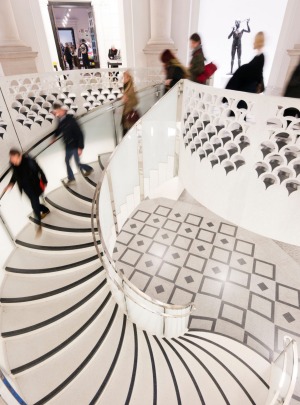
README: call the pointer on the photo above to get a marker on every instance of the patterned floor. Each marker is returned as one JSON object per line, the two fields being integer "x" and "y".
{"x": 243, "y": 285}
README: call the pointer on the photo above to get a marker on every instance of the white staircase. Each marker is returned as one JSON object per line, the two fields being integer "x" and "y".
{"x": 67, "y": 341}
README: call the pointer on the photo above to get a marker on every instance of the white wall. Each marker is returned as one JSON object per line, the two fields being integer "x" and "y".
{"x": 289, "y": 36}
{"x": 136, "y": 22}
{"x": 185, "y": 17}
{"x": 31, "y": 30}
{"x": 215, "y": 23}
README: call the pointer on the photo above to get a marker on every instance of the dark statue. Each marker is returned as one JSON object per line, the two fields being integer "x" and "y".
{"x": 237, "y": 34}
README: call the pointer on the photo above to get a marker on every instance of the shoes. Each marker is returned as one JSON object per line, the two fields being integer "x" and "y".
{"x": 38, "y": 231}
{"x": 44, "y": 214}
{"x": 70, "y": 182}
{"x": 88, "y": 172}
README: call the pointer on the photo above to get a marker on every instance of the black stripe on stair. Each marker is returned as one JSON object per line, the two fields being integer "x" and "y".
{"x": 187, "y": 369}
{"x": 232, "y": 354}
{"x": 206, "y": 370}
{"x": 170, "y": 368}
{"x": 51, "y": 269}
{"x": 113, "y": 364}
{"x": 53, "y": 292}
{"x": 75, "y": 373}
{"x": 56, "y": 248}
{"x": 153, "y": 369}
{"x": 221, "y": 364}
{"x": 90, "y": 181}
{"x": 67, "y": 210}
{"x": 65, "y": 343}
{"x": 56, "y": 317}
{"x": 134, "y": 366}
{"x": 61, "y": 228}
{"x": 76, "y": 194}
{"x": 100, "y": 163}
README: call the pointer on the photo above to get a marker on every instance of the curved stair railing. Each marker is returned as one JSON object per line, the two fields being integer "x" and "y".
{"x": 284, "y": 374}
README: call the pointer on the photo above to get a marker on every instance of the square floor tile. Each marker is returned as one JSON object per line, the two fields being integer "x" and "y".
{"x": 125, "y": 237}
{"x": 140, "y": 280}
{"x": 165, "y": 237}
{"x": 239, "y": 277}
{"x": 264, "y": 269}
{"x": 193, "y": 219}
{"x": 288, "y": 295}
{"x": 241, "y": 261}
{"x": 257, "y": 345}
{"x": 157, "y": 249}
{"x": 244, "y": 247}
{"x": 168, "y": 271}
{"x": 236, "y": 295}
{"x": 195, "y": 262}
{"x": 149, "y": 231}
{"x": 140, "y": 243}
{"x": 181, "y": 296}
{"x": 176, "y": 255}
{"x": 160, "y": 289}
{"x": 182, "y": 242}
{"x": 188, "y": 230}
{"x": 132, "y": 226}
{"x": 141, "y": 216}
{"x": 189, "y": 279}
{"x": 202, "y": 323}
{"x": 149, "y": 264}
{"x": 130, "y": 257}
{"x": 279, "y": 335}
{"x": 228, "y": 229}
{"x": 220, "y": 254}
{"x": 212, "y": 287}
{"x": 201, "y": 247}
{"x": 171, "y": 225}
{"x": 215, "y": 269}
{"x": 261, "y": 306}
{"x": 233, "y": 314}
{"x": 163, "y": 211}
{"x": 206, "y": 236}
{"x": 224, "y": 241}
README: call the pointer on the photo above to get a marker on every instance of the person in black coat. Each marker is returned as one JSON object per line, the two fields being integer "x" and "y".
{"x": 84, "y": 51}
{"x": 68, "y": 56}
{"x": 28, "y": 175}
{"x": 73, "y": 140}
{"x": 249, "y": 77}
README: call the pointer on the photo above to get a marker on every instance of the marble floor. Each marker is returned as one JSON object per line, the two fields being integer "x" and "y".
{"x": 242, "y": 285}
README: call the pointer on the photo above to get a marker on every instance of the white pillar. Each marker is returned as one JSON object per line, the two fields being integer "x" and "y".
{"x": 15, "y": 56}
{"x": 294, "y": 55}
{"x": 161, "y": 18}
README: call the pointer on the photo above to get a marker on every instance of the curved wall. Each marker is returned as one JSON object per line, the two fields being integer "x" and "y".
{"x": 243, "y": 167}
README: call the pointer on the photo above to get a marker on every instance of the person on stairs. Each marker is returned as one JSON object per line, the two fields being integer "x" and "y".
{"x": 197, "y": 62}
{"x": 31, "y": 179}
{"x": 73, "y": 140}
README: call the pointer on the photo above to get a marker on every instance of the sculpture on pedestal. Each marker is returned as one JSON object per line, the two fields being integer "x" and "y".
{"x": 237, "y": 34}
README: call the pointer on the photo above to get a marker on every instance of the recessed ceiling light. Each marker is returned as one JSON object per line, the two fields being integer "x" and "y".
{"x": 68, "y": 15}
{"x": 69, "y": 10}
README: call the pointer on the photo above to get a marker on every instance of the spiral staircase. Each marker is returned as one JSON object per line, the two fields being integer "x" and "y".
{"x": 66, "y": 341}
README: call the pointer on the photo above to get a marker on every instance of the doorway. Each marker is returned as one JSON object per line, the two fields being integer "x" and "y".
{"x": 73, "y": 25}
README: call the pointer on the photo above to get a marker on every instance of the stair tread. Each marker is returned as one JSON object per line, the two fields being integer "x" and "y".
{"x": 32, "y": 383}
{"x": 60, "y": 220}
{"x": 81, "y": 187}
{"x": 26, "y": 348}
{"x": 26, "y": 315}
{"x": 38, "y": 260}
{"x": 16, "y": 285}
{"x": 61, "y": 197}
{"x": 95, "y": 175}
{"x": 53, "y": 239}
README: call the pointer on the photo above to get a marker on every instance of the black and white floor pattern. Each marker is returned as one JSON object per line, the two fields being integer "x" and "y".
{"x": 243, "y": 285}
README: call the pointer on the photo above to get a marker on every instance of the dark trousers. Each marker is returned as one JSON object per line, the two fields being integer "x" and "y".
{"x": 85, "y": 61}
{"x": 36, "y": 205}
{"x": 70, "y": 63}
{"x": 81, "y": 166}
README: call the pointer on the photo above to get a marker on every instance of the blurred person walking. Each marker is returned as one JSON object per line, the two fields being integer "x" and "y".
{"x": 198, "y": 59}
{"x": 68, "y": 56}
{"x": 31, "y": 179}
{"x": 73, "y": 140}
{"x": 175, "y": 71}
{"x": 84, "y": 50}
{"x": 130, "y": 115}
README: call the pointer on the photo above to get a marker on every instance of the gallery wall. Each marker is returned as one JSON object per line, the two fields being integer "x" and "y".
{"x": 216, "y": 19}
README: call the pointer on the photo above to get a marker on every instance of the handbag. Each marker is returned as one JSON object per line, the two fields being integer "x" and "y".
{"x": 131, "y": 118}
{"x": 42, "y": 185}
{"x": 208, "y": 71}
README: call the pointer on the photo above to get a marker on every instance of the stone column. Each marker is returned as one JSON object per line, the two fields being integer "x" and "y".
{"x": 294, "y": 55}
{"x": 15, "y": 56}
{"x": 161, "y": 17}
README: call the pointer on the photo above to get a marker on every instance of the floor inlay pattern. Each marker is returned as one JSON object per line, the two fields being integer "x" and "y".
{"x": 243, "y": 285}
